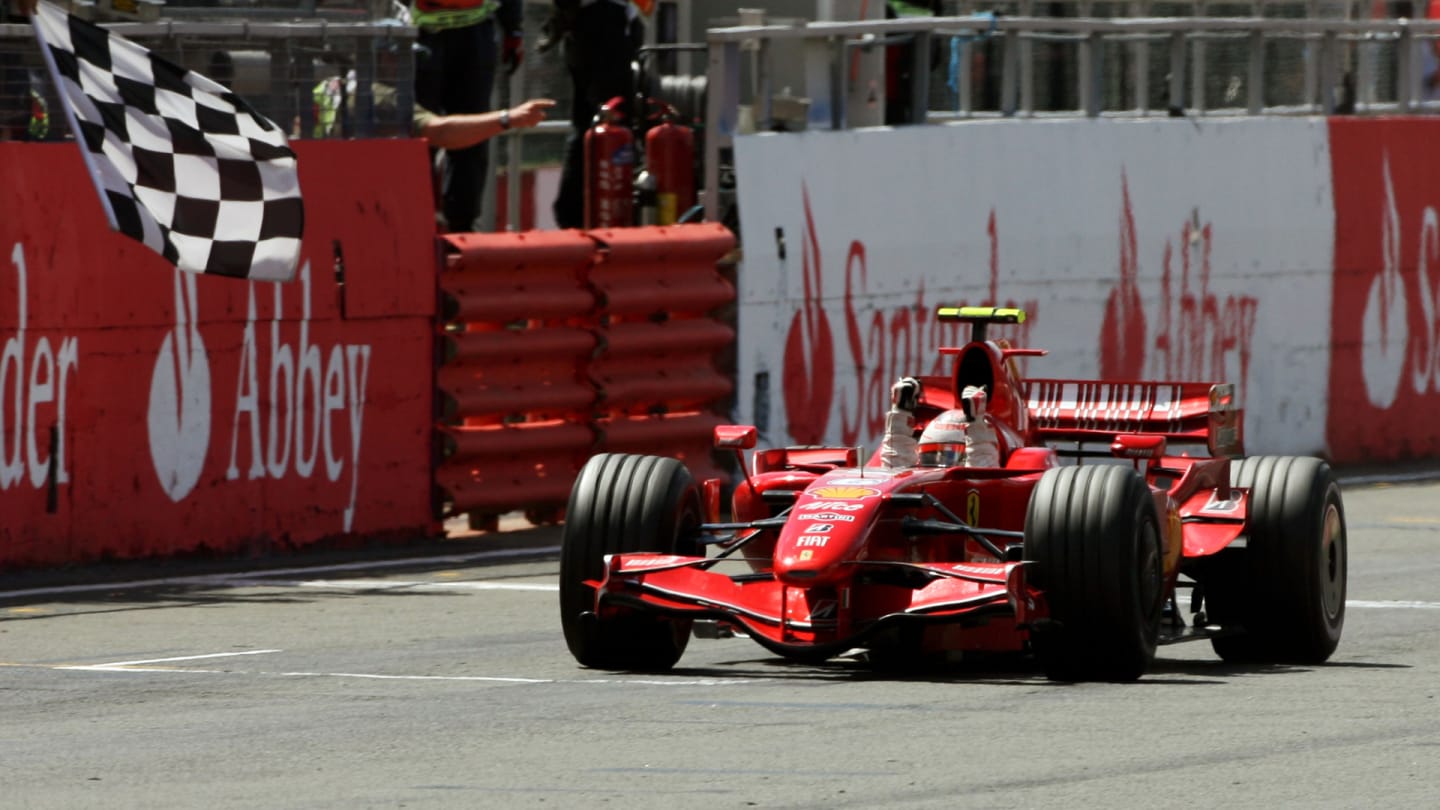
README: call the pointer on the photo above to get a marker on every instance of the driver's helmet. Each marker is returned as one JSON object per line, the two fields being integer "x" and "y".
{"x": 942, "y": 444}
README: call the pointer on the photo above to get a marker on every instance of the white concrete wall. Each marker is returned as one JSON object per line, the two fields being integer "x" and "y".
{"x": 1154, "y": 249}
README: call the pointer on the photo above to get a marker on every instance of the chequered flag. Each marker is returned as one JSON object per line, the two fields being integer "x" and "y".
{"x": 182, "y": 164}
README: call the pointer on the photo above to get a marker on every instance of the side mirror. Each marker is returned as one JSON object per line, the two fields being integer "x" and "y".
{"x": 736, "y": 437}
{"x": 1138, "y": 445}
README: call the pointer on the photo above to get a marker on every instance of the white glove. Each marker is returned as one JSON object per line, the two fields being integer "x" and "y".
{"x": 982, "y": 447}
{"x": 905, "y": 394}
{"x": 899, "y": 448}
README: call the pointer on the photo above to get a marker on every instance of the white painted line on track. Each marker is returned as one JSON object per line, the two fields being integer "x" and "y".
{"x": 497, "y": 679}
{"x": 411, "y": 677}
{"x": 139, "y": 666}
{"x": 243, "y": 578}
{"x": 425, "y": 585}
{"x": 1389, "y": 478}
{"x": 1361, "y": 603}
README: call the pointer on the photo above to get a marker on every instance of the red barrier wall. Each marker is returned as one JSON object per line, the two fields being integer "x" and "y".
{"x": 563, "y": 344}
{"x": 1385, "y": 358}
{"x": 146, "y": 412}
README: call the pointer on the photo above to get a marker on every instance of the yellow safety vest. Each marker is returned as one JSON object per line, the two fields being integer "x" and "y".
{"x": 438, "y": 15}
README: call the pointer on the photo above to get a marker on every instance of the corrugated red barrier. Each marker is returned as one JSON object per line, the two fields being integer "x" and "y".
{"x": 511, "y": 372}
{"x": 146, "y": 412}
{"x": 662, "y": 272}
{"x": 643, "y": 367}
{"x": 500, "y": 278}
{"x": 686, "y": 436}
{"x": 498, "y": 468}
{"x": 559, "y": 345}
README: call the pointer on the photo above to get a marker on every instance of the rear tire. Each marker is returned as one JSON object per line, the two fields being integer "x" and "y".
{"x": 1287, "y": 591}
{"x": 624, "y": 504}
{"x": 1093, "y": 537}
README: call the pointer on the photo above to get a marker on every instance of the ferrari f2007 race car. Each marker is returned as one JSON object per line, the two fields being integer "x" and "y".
{"x": 1094, "y": 539}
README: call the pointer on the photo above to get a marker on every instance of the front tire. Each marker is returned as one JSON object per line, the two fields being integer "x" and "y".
{"x": 1287, "y": 591}
{"x": 1093, "y": 537}
{"x": 624, "y": 504}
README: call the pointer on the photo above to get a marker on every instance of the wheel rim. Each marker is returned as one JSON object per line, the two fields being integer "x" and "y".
{"x": 1332, "y": 562}
{"x": 1150, "y": 571}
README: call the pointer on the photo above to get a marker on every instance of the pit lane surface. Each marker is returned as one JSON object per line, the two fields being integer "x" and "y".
{"x": 447, "y": 684}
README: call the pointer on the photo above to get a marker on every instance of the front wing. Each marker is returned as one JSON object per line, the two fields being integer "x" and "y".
{"x": 823, "y": 620}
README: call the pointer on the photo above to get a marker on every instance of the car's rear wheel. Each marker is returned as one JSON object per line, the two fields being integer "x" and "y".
{"x": 1282, "y": 597}
{"x": 1093, "y": 537}
{"x": 624, "y": 504}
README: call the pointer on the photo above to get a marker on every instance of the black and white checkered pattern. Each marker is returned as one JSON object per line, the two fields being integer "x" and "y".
{"x": 187, "y": 167}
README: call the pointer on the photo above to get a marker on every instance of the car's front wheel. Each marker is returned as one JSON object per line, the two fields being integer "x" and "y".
{"x": 624, "y": 504}
{"x": 1093, "y": 539}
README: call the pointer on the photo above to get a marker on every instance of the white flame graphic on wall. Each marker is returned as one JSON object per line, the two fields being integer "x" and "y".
{"x": 1383, "y": 330}
{"x": 179, "y": 418}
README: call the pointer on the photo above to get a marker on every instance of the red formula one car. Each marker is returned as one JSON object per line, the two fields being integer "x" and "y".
{"x": 1093, "y": 540}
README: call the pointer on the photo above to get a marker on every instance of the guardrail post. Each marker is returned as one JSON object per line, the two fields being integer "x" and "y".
{"x": 920, "y": 77}
{"x": 1009, "y": 74}
{"x": 1198, "y": 71}
{"x": 1312, "y": 74}
{"x": 761, "y": 107}
{"x": 839, "y": 82}
{"x": 964, "y": 78}
{"x": 1329, "y": 71}
{"x": 1140, "y": 76}
{"x": 1027, "y": 67}
{"x": 722, "y": 109}
{"x": 1092, "y": 89}
{"x": 1177, "y": 73}
{"x": 1255, "y": 95}
{"x": 1405, "y": 71}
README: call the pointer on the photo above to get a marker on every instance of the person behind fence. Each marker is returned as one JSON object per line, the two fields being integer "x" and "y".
{"x": 24, "y": 115}
{"x": 600, "y": 39}
{"x": 455, "y": 62}
{"x": 449, "y": 132}
{"x": 959, "y": 437}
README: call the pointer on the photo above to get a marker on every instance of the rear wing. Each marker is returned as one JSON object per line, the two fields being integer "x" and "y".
{"x": 1183, "y": 412}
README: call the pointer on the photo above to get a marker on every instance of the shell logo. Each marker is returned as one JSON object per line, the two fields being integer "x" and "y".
{"x": 845, "y": 493}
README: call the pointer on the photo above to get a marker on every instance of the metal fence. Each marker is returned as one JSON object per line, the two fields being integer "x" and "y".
{"x": 1004, "y": 58}
{"x": 1318, "y": 61}
{"x": 290, "y": 71}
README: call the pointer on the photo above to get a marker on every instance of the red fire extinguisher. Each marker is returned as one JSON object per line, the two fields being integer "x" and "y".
{"x": 609, "y": 169}
{"x": 670, "y": 159}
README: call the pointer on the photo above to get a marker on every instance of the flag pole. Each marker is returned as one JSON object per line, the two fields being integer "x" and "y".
{"x": 75, "y": 133}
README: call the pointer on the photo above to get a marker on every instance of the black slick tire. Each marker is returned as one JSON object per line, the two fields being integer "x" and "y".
{"x": 1092, "y": 537}
{"x": 624, "y": 504}
{"x": 1281, "y": 598}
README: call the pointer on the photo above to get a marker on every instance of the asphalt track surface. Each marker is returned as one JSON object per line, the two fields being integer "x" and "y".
{"x": 444, "y": 682}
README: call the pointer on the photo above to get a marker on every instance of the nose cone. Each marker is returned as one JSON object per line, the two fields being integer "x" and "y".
{"x": 804, "y": 568}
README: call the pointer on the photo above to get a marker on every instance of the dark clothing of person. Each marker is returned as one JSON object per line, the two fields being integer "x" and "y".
{"x": 455, "y": 74}
{"x": 599, "y": 47}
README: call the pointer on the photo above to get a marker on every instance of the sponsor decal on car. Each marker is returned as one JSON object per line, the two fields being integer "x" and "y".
{"x": 856, "y": 482}
{"x": 840, "y": 505}
{"x": 976, "y": 570}
{"x": 820, "y": 528}
{"x": 651, "y": 562}
{"x": 847, "y": 493}
{"x": 830, "y": 516}
{"x": 1217, "y": 505}
{"x": 824, "y": 609}
{"x": 817, "y": 540}
{"x": 972, "y": 507}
